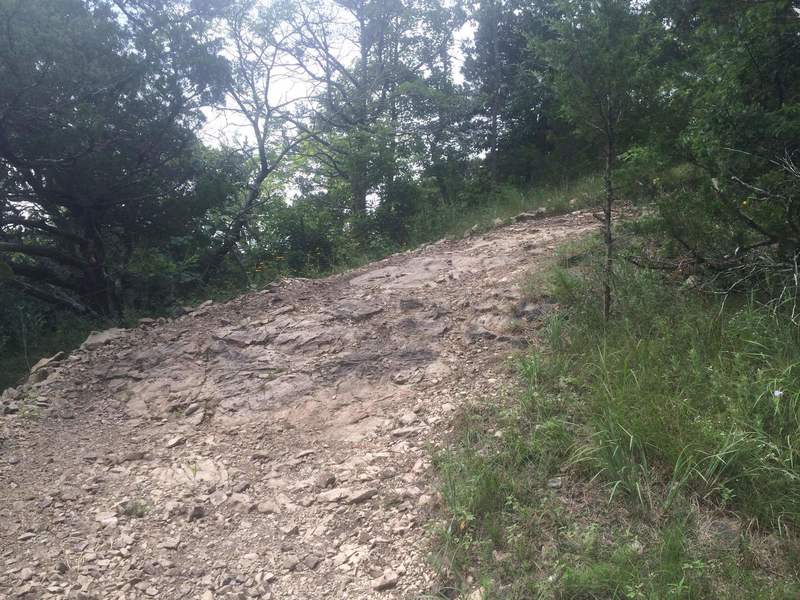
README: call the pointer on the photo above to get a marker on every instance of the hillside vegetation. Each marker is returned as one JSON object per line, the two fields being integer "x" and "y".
{"x": 156, "y": 154}
{"x": 655, "y": 457}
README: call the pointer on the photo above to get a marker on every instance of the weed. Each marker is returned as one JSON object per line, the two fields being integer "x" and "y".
{"x": 29, "y": 409}
{"x": 134, "y": 509}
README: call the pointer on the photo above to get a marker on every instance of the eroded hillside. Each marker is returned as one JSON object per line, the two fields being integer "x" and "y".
{"x": 275, "y": 446}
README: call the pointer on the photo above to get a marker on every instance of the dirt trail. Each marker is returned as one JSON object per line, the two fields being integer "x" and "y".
{"x": 275, "y": 446}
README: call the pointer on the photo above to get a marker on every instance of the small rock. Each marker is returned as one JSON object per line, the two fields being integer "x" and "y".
{"x": 241, "y": 487}
{"x": 176, "y": 441}
{"x": 334, "y": 495}
{"x": 241, "y": 503}
{"x": 172, "y": 509}
{"x": 478, "y": 332}
{"x": 498, "y": 222}
{"x": 107, "y": 519}
{"x": 324, "y": 480}
{"x": 408, "y": 418}
{"x": 410, "y": 492}
{"x": 26, "y": 536}
{"x": 538, "y": 214}
{"x": 531, "y": 311}
{"x": 171, "y": 543}
{"x": 387, "y": 581}
{"x": 555, "y": 483}
{"x": 218, "y": 498}
{"x": 46, "y": 361}
{"x": 197, "y": 417}
{"x": 311, "y": 562}
{"x": 196, "y": 513}
{"x": 100, "y": 338}
{"x": 425, "y": 500}
{"x": 361, "y": 495}
{"x": 725, "y": 530}
{"x": 693, "y": 281}
{"x": 267, "y": 508}
{"x": 410, "y": 304}
{"x": 191, "y": 409}
{"x": 25, "y": 574}
{"x": 404, "y": 431}
{"x": 132, "y": 456}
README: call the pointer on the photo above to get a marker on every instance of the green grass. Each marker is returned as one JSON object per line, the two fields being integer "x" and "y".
{"x": 702, "y": 392}
{"x": 675, "y": 429}
{"x": 455, "y": 219}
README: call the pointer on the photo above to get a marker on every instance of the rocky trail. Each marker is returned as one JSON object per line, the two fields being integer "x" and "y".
{"x": 274, "y": 446}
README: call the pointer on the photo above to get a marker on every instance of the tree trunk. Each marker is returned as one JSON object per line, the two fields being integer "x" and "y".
{"x": 100, "y": 291}
{"x": 609, "y": 202}
{"x": 493, "y": 151}
{"x": 495, "y": 105}
{"x": 359, "y": 162}
{"x": 214, "y": 260}
{"x": 358, "y": 188}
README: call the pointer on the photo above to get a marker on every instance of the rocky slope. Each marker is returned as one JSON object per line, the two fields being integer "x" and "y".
{"x": 275, "y": 446}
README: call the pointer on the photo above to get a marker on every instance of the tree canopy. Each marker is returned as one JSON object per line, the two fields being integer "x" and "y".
{"x": 359, "y": 124}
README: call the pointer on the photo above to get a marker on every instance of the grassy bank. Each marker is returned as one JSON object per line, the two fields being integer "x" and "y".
{"x": 652, "y": 457}
{"x": 435, "y": 222}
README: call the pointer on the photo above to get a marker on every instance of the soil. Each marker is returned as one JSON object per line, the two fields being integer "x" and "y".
{"x": 275, "y": 446}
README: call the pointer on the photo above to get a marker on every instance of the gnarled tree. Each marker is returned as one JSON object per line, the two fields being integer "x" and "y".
{"x": 98, "y": 111}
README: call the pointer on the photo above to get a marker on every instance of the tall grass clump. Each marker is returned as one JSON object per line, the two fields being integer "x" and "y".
{"x": 688, "y": 390}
